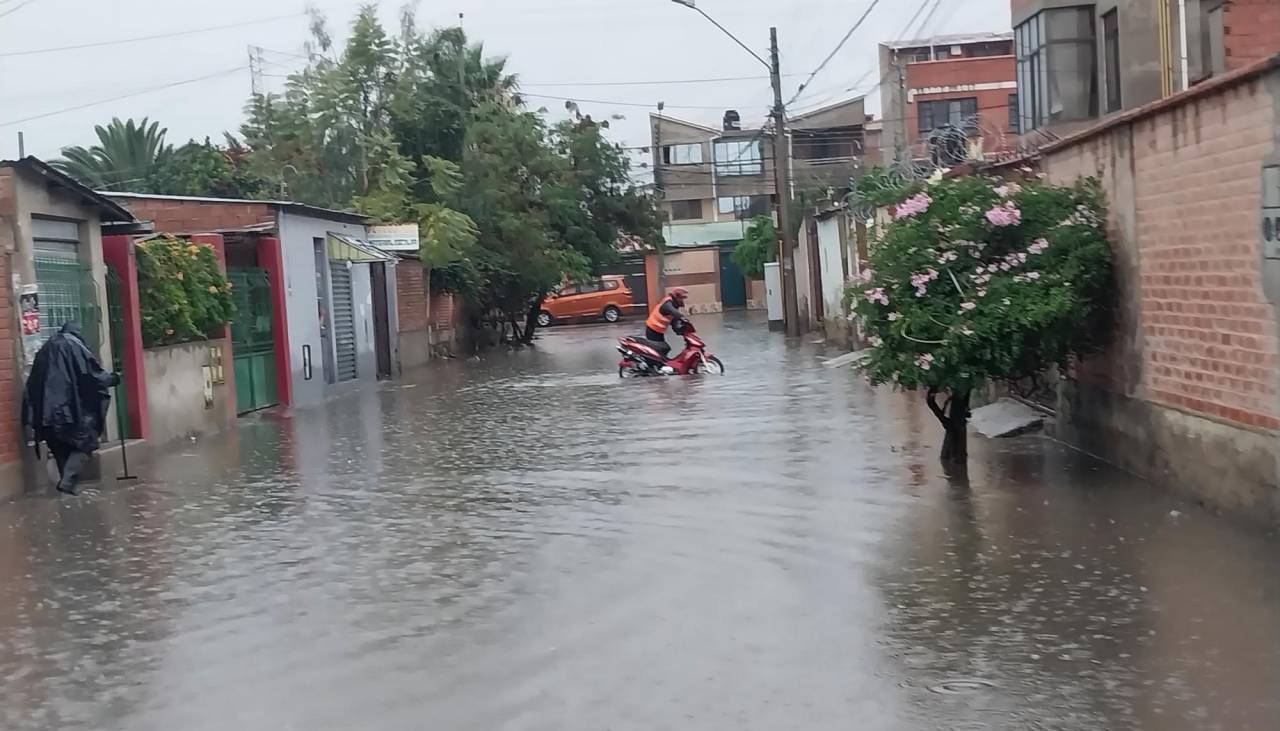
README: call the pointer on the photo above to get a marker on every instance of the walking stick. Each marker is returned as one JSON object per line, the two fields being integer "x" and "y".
{"x": 124, "y": 456}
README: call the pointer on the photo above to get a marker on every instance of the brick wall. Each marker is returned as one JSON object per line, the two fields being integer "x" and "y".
{"x": 936, "y": 80}
{"x": 1252, "y": 30}
{"x": 10, "y": 401}
{"x": 443, "y": 312}
{"x": 411, "y": 297}
{"x": 184, "y": 216}
{"x": 1197, "y": 330}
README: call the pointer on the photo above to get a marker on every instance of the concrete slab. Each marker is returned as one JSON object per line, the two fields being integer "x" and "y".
{"x": 1006, "y": 418}
{"x": 845, "y": 360}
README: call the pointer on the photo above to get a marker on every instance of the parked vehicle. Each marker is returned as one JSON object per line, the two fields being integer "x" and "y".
{"x": 608, "y": 298}
{"x": 644, "y": 357}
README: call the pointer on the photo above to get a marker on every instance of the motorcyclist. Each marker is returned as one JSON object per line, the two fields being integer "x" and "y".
{"x": 670, "y": 309}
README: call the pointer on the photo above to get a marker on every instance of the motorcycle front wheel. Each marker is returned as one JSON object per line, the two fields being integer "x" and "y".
{"x": 625, "y": 372}
{"x": 710, "y": 366}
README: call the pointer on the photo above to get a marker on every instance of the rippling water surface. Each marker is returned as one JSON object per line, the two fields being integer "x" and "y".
{"x": 529, "y": 543}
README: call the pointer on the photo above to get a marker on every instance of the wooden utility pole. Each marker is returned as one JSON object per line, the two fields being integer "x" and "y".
{"x": 782, "y": 183}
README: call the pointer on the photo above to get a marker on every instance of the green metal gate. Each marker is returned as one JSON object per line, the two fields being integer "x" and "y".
{"x": 115, "y": 329}
{"x": 253, "y": 340}
{"x": 67, "y": 294}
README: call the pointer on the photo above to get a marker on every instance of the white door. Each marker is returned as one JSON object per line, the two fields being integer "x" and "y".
{"x": 831, "y": 265}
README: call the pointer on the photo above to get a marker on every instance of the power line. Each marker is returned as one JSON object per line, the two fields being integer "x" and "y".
{"x": 16, "y": 8}
{"x": 129, "y": 95}
{"x": 648, "y": 83}
{"x": 839, "y": 46}
{"x": 646, "y": 105}
{"x": 153, "y": 37}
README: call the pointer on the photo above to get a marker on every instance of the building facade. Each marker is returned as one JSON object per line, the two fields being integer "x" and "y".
{"x": 956, "y": 90}
{"x": 316, "y": 304}
{"x": 1081, "y": 61}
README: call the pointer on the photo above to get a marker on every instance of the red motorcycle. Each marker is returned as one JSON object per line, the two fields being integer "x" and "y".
{"x": 644, "y": 357}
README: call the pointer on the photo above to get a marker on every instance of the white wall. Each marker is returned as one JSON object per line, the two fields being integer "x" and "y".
{"x": 296, "y": 235}
{"x": 831, "y": 265}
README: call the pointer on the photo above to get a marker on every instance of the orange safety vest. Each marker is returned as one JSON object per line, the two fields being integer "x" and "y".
{"x": 657, "y": 321}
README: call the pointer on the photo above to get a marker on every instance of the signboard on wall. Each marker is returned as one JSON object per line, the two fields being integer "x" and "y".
{"x": 397, "y": 237}
{"x": 29, "y": 302}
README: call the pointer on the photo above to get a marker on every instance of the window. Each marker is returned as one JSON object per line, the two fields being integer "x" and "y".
{"x": 1013, "y": 114}
{"x": 1111, "y": 57}
{"x": 959, "y": 113}
{"x": 1055, "y": 53}
{"x": 609, "y": 285}
{"x": 833, "y": 144}
{"x": 682, "y": 154}
{"x": 686, "y": 210}
{"x": 915, "y": 55}
{"x": 995, "y": 48}
{"x": 744, "y": 207}
{"x": 1212, "y": 33}
{"x": 739, "y": 157}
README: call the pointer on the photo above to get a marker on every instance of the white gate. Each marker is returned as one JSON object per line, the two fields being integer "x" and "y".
{"x": 344, "y": 321}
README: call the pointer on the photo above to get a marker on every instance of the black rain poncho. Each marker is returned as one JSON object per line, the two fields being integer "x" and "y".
{"x": 68, "y": 392}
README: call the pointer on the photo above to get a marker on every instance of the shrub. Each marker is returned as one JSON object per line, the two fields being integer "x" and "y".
{"x": 977, "y": 279}
{"x": 758, "y": 247}
{"x": 182, "y": 293}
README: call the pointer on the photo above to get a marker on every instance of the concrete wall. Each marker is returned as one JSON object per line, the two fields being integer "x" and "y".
{"x": 297, "y": 233}
{"x": 1187, "y": 393}
{"x": 175, "y": 392}
{"x": 699, "y": 272}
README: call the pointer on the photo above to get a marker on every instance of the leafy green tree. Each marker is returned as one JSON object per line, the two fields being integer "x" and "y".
{"x": 206, "y": 169}
{"x": 976, "y": 280}
{"x": 758, "y": 247}
{"x": 128, "y": 153}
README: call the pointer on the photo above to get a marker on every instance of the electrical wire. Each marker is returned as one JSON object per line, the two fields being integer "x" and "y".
{"x": 16, "y": 8}
{"x": 129, "y": 95}
{"x": 836, "y": 50}
{"x": 646, "y": 105}
{"x": 152, "y": 37}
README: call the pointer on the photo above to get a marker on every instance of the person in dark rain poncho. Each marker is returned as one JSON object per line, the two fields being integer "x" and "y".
{"x": 66, "y": 402}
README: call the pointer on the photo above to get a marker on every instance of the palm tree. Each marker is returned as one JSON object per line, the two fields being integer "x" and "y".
{"x": 126, "y": 156}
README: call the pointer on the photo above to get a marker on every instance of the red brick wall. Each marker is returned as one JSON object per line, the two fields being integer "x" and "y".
{"x": 443, "y": 312}
{"x": 10, "y": 402}
{"x": 993, "y": 104}
{"x": 1197, "y": 332}
{"x": 411, "y": 296}
{"x": 1252, "y": 30}
{"x": 184, "y": 217}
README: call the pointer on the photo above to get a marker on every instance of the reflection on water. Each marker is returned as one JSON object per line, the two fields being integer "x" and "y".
{"x": 530, "y": 543}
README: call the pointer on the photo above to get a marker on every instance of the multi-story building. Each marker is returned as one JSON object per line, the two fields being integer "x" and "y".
{"x": 947, "y": 84}
{"x": 1078, "y": 61}
{"x": 712, "y": 181}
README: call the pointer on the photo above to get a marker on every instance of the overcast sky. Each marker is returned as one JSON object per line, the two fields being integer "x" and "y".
{"x": 577, "y": 49}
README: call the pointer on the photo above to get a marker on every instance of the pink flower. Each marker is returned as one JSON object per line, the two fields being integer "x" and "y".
{"x": 982, "y": 293}
{"x": 1008, "y": 189}
{"x": 894, "y": 317}
{"x": 876, "y": 295}
{"x": 967, "y": 306}
{"x": 1039, "y": 246}
{"x": 867, "y": 274}
{"x": 1005, "y": 267}
{"x": 918, "y": 203}
{"x": 875, "y": 341}
{"x": 925, "y": 362}
{"x": 1033, "y": 275}
{"x": 948, "y": 256}
{"x": 1006, "y": 214}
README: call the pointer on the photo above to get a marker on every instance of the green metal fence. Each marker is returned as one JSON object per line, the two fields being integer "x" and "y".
{"x": 67, "y": 294}
{"x": 253, "y": 340}
{"x": 115, "y": 330}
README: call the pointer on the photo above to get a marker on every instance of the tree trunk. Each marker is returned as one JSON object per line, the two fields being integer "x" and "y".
{"x": 954, "y": 417}
{"x": 531, "y": 320}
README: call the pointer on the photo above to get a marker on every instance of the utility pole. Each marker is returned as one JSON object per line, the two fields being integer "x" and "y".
{"x": 782, "y": 184}
{"x": 661, "y": 191}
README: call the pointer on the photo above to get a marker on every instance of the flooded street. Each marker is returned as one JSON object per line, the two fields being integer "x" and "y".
{"x": 529, "y": 542}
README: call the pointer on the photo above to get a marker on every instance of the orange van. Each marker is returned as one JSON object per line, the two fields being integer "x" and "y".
{"x": 608, "y": 298}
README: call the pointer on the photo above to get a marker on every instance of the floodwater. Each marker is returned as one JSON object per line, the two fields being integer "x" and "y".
{"x": 530, "y": 543}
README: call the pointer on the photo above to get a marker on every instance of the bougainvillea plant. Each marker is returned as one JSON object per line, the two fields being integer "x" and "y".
{"x": 975, "y": 280}
{"x": 182, "y": 293}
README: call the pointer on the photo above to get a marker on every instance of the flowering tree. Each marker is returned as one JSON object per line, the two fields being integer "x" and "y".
{"x": 976, "y": 279}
